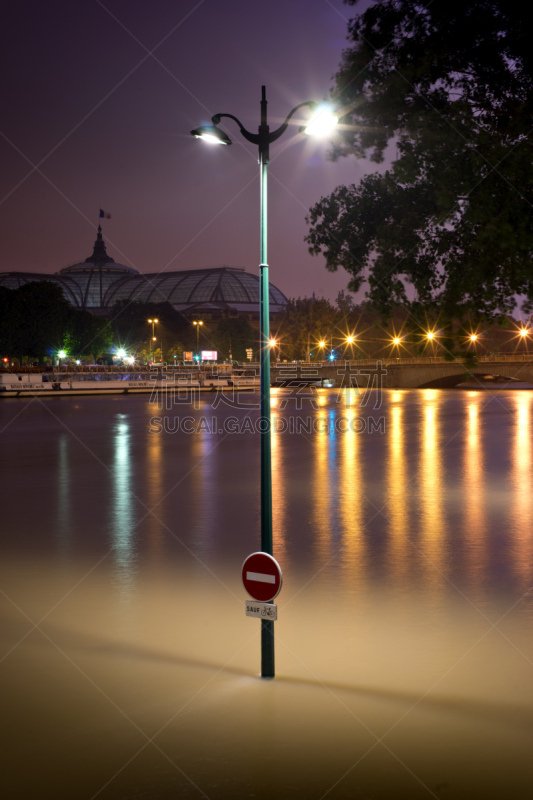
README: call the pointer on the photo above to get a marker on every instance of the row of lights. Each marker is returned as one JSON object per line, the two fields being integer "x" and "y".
{"x": 431, "y": 336}
{"x": 349, "y": 340}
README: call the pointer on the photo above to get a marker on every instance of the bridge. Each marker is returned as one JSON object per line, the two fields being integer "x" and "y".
{"x": 424, "y": 372}
{"x": 407, "y": 373}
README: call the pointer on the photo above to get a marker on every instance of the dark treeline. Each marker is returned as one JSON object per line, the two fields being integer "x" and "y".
{"x": 36, "y": 321}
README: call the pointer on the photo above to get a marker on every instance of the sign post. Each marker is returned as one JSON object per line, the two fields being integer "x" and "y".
{"x": 262, "y": 579}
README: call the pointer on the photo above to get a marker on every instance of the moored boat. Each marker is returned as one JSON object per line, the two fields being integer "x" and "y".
{"x": 19, "y": 384}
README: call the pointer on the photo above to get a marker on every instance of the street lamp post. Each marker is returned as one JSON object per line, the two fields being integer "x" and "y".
{"x": 324, "y": 120}
{"x": 198, "y": 322}
{"x": 153, "y": 339}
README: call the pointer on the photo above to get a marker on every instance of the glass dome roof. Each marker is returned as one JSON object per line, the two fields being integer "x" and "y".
{"x": 222, "y": 286}
{"x": 98, "y": 283}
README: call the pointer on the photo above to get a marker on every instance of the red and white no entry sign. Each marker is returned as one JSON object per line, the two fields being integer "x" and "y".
{"x": 261, "y": 577}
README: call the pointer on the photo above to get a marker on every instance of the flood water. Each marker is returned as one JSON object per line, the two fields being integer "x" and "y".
{"x": 404, "y": 648}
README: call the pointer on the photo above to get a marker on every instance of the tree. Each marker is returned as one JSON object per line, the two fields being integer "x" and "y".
{"x": 86, "y": 334}
{"x": 37, "y": 321}
{"x": 34, "y": 319}
{"x": 449, "y": 224}
{"x": 129, "y": 322}
{"x": 235, "y": 335}
{"x": 304, "y": 322}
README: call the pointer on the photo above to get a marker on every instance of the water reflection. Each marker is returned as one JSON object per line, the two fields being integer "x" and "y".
{"x": 155, "y": 491}
{"x": 398, "y": 491}
{"x": 432, "y": 524}
{"x": 323, "y": 486}
{"x": 522, "y": 481}
{"x": 122, "y": 512}
{"x": 202, "y": 476}
{"x": 453, "y": 473}
{"x": 64, "y": 495}
{"x": 351, "y": 495}
{"x": 474, "y": 494}
{"x": 280, "y": 480}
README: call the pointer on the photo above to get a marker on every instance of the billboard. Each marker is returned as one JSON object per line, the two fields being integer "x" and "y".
{"x": 209, "y": 355}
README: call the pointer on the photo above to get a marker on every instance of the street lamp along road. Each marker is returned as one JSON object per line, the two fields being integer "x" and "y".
{"x": 322, "y": 122}
{"x": 198, "y": 322}
{"x": 153, "y": 339}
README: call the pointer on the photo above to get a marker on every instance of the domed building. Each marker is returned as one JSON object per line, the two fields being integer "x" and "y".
{"x": 95, "y": 276}
{"x": 97, "y": 283}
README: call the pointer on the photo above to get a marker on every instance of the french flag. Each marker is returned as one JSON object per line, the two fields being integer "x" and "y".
{"x": 104, "y": 215}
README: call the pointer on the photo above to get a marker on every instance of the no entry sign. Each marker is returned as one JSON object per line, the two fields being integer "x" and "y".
{"x": 261, "y": 577}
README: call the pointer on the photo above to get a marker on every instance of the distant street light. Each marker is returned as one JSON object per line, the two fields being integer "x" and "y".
{"x": 322, "y": 122}
{"x": 350, "y": 340}
{"x": 153, "y": 339}
{"x": 524, "y": 333}
{"x": 431, "y": 337}
{"x": 198, "y": 322}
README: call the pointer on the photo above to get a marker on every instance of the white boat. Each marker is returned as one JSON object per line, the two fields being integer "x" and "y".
{"x": 19, "y": 384}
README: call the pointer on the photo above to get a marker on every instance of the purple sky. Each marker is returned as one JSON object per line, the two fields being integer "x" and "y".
{"x": 98, "y": 99}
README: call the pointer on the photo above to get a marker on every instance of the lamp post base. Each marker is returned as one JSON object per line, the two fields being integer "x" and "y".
{"x": 267, "y": 649}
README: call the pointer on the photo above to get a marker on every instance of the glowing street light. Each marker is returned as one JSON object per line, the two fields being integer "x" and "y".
{"x": 153, "y": 339}
{"x": 396, "y": 341}
{"x": 198, "y": 322}
{"x": 273, "y": 343}
{"x": 323, "y": 120}
{"x": 349, "y": 341}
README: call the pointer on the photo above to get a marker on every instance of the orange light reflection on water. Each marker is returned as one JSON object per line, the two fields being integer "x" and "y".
{"x": 474, "y": 493}
{"x": 522, "y": 482}
{"x": 397, "y": 495}
{"x": 280, "y": 479}
{"x": 323, "y": 489}
{"x": 430, "y": 480}
{"x": 351, "y": 494}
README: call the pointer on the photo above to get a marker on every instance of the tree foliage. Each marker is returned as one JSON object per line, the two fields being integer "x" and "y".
{"x": 131, "y": 329}
{"x": 304, "y": 322}
{"x": 449, "y": 85}
{"x": 36, "y": 321}
{"x": 233, "y": 335}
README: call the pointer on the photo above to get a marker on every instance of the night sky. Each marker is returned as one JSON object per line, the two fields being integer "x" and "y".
{"x": 98, "y": 99}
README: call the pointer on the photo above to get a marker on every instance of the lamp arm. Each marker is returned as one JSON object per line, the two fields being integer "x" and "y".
{"x": 282, "y": 128}
{"x": 252, "y": 137}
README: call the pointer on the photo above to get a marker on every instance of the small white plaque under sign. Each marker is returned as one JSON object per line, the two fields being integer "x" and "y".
{"x": 261, "y": 610}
